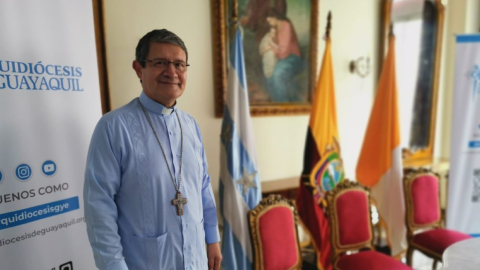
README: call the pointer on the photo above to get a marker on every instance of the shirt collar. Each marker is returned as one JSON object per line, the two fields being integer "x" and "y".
{"x": 154, "y": 106}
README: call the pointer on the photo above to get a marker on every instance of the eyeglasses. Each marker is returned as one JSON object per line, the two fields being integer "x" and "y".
{"x": 162, "y": 64}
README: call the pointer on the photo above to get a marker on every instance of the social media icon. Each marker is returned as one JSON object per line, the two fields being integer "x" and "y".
{"x": 23, "y": 172}
{"x": 49, "y": 168}
{"x": 1, "y": 177}
{"x": 66, "y": 266}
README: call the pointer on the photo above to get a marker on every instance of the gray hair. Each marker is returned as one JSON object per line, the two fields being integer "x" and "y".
{"x": 158, "y": 36}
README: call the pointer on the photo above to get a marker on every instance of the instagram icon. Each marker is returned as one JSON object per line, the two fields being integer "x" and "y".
{"x": 66, "y": 266}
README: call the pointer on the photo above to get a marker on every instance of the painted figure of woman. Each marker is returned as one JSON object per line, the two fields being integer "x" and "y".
{"x": 282, "y": 85}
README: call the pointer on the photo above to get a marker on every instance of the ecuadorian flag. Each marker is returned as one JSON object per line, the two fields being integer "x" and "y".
{"x": 322, "y": 165}
{"x": 239, "y": 181}
{"x": 380, "y": 163}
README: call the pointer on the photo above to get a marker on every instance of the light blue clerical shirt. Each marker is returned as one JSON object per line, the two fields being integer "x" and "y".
{"x": 128, "y": 192}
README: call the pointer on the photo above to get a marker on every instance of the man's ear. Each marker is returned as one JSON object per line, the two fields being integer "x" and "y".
{"x": 138, "y": 68}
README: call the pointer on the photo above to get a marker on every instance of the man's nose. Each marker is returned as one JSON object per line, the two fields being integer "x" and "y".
{"x": 170, "y": 70}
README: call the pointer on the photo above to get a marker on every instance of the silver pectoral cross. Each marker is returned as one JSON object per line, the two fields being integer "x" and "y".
{"x": 179, "y": 202}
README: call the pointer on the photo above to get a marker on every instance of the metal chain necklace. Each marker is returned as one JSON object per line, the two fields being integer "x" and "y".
{"x": 179, "y": 201}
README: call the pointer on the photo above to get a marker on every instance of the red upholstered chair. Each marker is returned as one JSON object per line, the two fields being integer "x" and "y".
{"x": 351, "y": 230}
{"x": 423, "y": 218}
{"x": 274, "y": 235}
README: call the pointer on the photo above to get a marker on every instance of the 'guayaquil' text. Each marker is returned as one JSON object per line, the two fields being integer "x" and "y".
{"x": 16, "y": 82}
{"x": 38, "y": 76}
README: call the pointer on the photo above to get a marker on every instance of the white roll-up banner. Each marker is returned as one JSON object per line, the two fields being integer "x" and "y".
{"x": 49, "y": 105}
{"x": 464, "y": 180}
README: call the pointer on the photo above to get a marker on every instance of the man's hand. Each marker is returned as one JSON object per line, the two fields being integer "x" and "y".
{"x": 214, "y": 256}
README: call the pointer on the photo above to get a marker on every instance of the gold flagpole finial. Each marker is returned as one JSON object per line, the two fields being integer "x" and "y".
{"x": 235, "y": 11}
{"x": 329, "y": 24}
{"x": 234, "y": 22}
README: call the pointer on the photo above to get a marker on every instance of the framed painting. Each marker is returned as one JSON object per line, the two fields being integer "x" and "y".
{"x": 280, "y": 50}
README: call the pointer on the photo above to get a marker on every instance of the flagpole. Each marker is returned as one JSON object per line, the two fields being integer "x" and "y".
{"x": 329, "y": 25}
{"x": 232, "y": 30}
{"x": 322, "y": 168}
{"x": 381, "y": 145}
{"x": 240, "y": 189}
{"x": 233, "y": 26}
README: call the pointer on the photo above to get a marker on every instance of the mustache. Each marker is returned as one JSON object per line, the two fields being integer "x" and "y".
{"x": 168, "y": 81}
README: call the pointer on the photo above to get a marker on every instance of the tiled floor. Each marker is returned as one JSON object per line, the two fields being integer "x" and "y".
{"x": 421, "y": 262}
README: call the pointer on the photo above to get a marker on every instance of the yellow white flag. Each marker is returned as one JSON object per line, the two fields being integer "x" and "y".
{"x": 380, "y": 163}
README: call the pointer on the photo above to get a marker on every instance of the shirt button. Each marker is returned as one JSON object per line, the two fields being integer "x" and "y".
{"x": 171, "y": 133}
{"x": 185, "y": 248}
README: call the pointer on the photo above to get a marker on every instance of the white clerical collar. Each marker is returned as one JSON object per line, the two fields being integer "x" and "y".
{"x": 166, "y": 110}
{"x": 154, "y": 106}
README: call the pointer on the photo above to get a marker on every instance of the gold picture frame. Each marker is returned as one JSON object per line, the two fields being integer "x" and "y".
{"x": 307, "y": 78}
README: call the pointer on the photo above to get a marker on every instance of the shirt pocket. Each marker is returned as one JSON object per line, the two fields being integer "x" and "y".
{"x": 155, "y": 252}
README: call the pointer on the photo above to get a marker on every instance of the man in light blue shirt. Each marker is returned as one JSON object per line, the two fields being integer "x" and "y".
{"x": 147, "y": 195}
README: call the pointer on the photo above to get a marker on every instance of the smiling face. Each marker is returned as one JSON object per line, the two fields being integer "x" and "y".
{"x": 163, "y": 86}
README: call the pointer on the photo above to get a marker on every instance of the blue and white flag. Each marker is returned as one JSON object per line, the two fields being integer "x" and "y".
{"x": 239, "y": 180}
